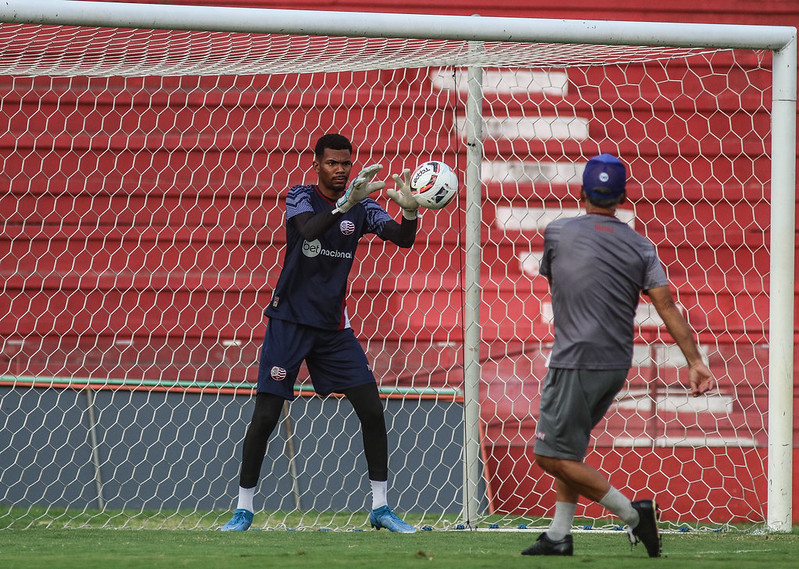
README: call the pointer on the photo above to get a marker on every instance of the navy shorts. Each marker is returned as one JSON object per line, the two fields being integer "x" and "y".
{"x": 335, "y": 359}
{"x": 573, "y": 401}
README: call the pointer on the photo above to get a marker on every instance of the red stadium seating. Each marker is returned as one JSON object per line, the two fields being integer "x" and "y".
{"x": 202, "y": 260}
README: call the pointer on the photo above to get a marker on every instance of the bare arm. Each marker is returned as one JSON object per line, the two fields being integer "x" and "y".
{"x": 699, "y": 375}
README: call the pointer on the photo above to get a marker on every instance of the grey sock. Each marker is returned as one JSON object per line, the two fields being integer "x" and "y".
{"x": 561, "y": 525}
{"x": 617, "y": 503}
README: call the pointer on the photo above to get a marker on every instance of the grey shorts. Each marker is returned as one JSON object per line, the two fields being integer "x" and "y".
{"x": 572, "y": 403}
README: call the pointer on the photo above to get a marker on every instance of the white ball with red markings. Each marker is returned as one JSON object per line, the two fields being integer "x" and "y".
{"x": 434, "y": 184}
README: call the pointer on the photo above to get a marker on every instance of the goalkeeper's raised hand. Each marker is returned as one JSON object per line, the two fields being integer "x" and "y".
{"x": 359, "y": 188}
{"x": 402, "y": 195}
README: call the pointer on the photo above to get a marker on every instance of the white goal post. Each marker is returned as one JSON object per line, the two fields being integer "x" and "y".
{"x": 75, "y": 255}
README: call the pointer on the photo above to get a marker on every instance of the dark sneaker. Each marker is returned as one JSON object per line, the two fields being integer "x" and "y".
{"x": 647, "y": 529}
{"x": 545, "y": 546}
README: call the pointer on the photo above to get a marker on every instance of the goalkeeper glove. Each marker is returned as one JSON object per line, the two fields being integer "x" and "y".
{"x": 359, "y": 188}
{"x": 402, "y": 195}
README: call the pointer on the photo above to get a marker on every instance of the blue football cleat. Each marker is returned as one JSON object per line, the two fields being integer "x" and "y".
{"x": 383, "y": 517}
{"x": 241, "y": 521}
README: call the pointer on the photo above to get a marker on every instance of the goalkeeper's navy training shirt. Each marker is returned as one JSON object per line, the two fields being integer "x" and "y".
{"x": 312, "y": 285}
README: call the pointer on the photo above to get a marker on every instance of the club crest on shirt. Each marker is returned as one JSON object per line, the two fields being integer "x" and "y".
{"x": 277, "y": 373}
{"x": 347, "y": 227}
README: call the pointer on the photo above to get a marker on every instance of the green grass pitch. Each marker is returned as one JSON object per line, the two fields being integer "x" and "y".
{"x": 464, "y": 549}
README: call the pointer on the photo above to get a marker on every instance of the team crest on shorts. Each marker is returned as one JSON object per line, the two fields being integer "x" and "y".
{"x": 278, "y": 373}
{"x": 347, "y": 227}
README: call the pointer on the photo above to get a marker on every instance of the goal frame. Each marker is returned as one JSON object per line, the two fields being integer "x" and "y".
{"x": 780, "y": 40}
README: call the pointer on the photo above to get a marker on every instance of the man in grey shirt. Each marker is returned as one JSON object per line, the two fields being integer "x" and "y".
{"x": 597, "y": 267}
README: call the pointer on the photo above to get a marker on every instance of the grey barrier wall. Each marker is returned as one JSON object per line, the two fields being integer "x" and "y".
{"x": 155, "y": 450}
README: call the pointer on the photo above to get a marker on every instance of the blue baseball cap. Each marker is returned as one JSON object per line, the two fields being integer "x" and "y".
{"x": 604, "y": 177}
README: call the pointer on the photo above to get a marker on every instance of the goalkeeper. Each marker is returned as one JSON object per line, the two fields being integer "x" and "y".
{"x": 597, "y": 267}
{"x": 308, "y": 318}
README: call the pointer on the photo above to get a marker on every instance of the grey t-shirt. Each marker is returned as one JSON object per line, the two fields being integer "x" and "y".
{"x": 597, "y": 267}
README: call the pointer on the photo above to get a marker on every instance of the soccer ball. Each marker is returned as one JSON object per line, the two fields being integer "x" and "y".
{"x": 434, "y": 184}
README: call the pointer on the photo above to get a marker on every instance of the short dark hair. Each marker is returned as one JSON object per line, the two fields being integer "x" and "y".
{"x": 599, "y": 200}
{"x": 332, "y": 141}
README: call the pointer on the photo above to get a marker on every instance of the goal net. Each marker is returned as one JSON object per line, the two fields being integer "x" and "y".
{"x": 145, "y": 172}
